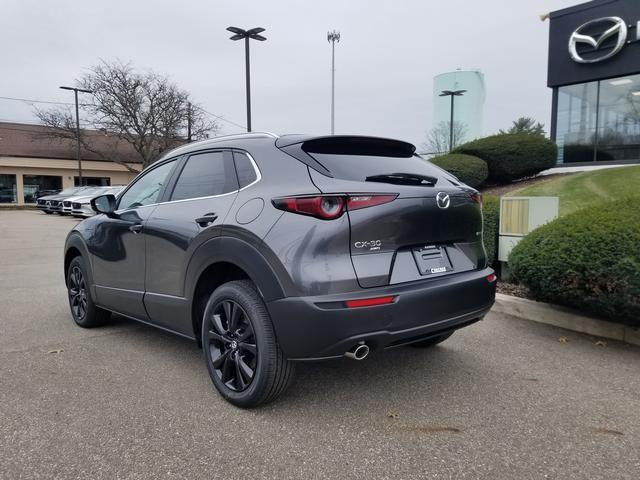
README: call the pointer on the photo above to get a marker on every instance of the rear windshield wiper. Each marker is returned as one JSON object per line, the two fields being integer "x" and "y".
{"x": 404, "y": 179}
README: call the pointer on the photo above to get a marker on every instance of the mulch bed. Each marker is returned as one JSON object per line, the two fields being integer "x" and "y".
{"x": 514, "y": 290}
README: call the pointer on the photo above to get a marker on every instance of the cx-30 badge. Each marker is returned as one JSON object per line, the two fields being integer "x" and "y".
{"x": 370, "y": 244}
{"x": 612, "y": 25}
{"x": 443, "y": 200}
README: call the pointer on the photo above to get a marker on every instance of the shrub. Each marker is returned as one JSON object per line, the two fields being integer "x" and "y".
{"x": 511, "y": 157}
{"x": 470, "y": 170}
{"x": 589, "y": 259}
{"x": 490, "y": 220}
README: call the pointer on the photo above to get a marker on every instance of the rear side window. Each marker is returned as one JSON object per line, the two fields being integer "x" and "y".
{"x": 359, "y": 167}
{"x": 246, "y": 173}
{"x": 205, "y": 175}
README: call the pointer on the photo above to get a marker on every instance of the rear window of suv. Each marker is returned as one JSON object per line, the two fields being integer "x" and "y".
{"x": 246, "y": 173}
{"x": 359, "y": 167}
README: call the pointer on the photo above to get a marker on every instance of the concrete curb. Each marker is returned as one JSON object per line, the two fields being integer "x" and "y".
{"x": 10, "y": 206}
{"x": 564, "y": 317}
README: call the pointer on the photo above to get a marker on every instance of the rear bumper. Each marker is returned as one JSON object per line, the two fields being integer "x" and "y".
{"x": 313, "y": 328}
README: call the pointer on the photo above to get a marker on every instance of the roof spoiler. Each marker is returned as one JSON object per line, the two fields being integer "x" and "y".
{"x": 349, "y": 145}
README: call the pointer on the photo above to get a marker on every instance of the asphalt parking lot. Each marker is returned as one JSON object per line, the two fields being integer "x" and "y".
{"x": 503, "y": 398}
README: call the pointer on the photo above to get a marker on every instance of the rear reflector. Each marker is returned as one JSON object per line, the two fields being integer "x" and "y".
{"x": 477, "y": 198}
{"x": 491, "y": 278}
{"x": 370, "y": 302}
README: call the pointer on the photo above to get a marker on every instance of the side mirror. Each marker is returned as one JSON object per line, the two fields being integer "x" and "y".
{"x": 104, "y": 204}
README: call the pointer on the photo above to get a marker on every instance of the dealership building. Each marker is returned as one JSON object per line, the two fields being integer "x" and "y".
{"x": 594, "y": 71}
{"x": 32, "y": 162}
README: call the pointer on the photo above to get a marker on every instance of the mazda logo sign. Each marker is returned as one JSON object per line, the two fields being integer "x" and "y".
{"x": 613, "y": 26}
{"x": 443, "y": 200}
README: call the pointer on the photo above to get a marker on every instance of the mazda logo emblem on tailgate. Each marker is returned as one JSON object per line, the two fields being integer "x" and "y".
{"x": 443, "y": 200}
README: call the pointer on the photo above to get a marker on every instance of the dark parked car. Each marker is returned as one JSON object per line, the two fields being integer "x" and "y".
{"x": 270, "y": 250}
{"x": 44, "y": 193}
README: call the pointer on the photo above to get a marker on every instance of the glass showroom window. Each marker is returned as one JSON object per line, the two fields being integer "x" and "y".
{"x": 599, "y": 121}
{"x": 619, "y": 119}
{"x": 93, "y": 181}
{"x": 7, "y": 188}
{"x": 36, "y": 186}
{"x": 576, "y": 122}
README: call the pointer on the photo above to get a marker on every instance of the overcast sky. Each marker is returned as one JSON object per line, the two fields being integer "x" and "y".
{"x": 385, "y": 63}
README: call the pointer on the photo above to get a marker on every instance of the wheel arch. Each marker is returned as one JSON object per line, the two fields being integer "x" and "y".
{"x": 221, "y": 260}
{"x": 74, "y": 247}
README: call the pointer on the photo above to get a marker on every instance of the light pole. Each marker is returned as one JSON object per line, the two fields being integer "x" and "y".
{"x": 333, "y": 37}
{"x": 75, "y": 92}
{"x": 239, "y": 34}
{"x": 452, "y": 94}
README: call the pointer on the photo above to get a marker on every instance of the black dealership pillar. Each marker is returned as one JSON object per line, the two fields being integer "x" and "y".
{"x": 554, "y": 114}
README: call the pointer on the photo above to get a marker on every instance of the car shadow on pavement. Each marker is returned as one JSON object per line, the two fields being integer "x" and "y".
{"x": 385, "y": 377}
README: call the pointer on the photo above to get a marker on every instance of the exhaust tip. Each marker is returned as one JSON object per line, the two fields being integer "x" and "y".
{"x": 358, "y": 352}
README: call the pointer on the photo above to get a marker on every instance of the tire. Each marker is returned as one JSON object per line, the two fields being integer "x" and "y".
{"x": 245, "y": 362}
{"x": 48, "y": 213}
{"x": 83, "y": 309}
{"x": 430, "y": 342}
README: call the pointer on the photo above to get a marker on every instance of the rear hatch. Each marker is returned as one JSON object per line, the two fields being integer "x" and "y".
{"x": 432, "y": 228}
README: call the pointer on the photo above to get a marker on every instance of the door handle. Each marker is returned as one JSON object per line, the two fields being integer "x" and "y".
{"x": 137, "y": 228}
{"x": 206, "y": 219}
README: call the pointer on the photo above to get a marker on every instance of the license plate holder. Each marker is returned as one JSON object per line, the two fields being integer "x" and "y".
{"x": 432, "y": 260}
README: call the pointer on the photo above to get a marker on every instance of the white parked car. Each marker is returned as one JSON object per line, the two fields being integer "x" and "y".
{"x": 80, "y": 206}
{"x": 65, "y": 204}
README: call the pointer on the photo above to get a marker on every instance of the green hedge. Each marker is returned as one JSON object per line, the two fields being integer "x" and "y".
{"x": 512, "y": 156}
{"x": 490, "y": 220}
{"x": 589, "y": 259}
{"x": 469, "y": 169}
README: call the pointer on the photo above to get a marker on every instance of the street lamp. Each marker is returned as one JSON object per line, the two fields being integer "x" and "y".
{"x": 75, "y": 92}
{"x": 333, "y": 37}
{"x": 254, "y": 34}
{"x": 452, "y": 94}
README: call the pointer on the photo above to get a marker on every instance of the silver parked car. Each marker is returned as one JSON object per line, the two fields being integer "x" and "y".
{"x": 89, "y": 191}
{"x": 80, "y": 206}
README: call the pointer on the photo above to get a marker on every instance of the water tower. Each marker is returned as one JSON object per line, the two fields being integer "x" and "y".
{"x": 468, "y": 108}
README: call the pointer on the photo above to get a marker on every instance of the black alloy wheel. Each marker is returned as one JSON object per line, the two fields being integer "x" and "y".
{"x": 77, "y": 293}
{"x": 231, "y": 344}
{"x": 84, "y": 311}
{"x": 243, "y": 357}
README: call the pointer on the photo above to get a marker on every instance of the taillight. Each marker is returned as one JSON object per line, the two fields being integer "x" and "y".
{"x": 491, "y": 277}
{"x": 355, "y": 202}
{"x": 476, "y": 198}
{"x": 324, "y": 207}
{"x": 329, "y": 207}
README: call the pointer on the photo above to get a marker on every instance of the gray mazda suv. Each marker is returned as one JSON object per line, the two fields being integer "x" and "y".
{"x": 272, "y": 250}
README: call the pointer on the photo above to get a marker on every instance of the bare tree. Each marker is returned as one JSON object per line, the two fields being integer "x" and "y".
{"x": 439, "y": 137}
{"x": 62, "y": 126}
{"x": 146, "y": 110}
